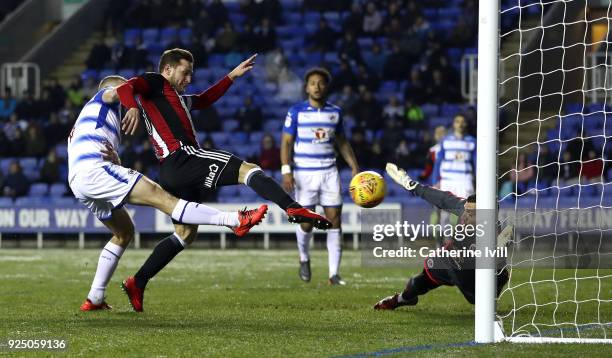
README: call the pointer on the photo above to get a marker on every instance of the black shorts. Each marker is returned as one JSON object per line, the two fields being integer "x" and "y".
{"x": 190, "y": 172}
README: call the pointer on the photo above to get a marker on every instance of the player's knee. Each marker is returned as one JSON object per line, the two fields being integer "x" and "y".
{"x": 306, "y": 227}
{"x": 187, "y": 233}
{"x": 124, "y": 236}
{"x": 246, "y": 171}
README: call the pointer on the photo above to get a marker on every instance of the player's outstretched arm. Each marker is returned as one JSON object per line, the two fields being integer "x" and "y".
{"x": 441, "y": 199}
{"x": 216, "y": 91}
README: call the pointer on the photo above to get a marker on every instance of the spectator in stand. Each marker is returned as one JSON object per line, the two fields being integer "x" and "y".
{"x": 269, "y": 156}
{"x": 366, "y": 78}
{"x": 372, "y": 20}
{"x": 247, "y": 40}
{"x": 393, "y": 110}
{"x": 159, "y": 13}
{"x": 592, "y": 167}
{"x": 1, "y": 181}
{"x": 55, "y": 131}
{"x": 439, "y": 91}
{"x": 324, "y": 39}
{"x": 547, "y": 166}
{"x": 75, "y": 92}
{"x": 420, "y": 25}
{"x": 99, "y": 55}
{"x": 569, "y": 169}
{"x": 415, "y": 118}
{"x": 347, "y": 100}
{"x": 353, "y": 23}
{"x": 375, "y": 59}
{"x": 207, "y": 119}
{"x": 522, "y": 173}
{"x": 8, "y": 104}
{"x": 411, "y": 45}
{"x": 13, "y": 125}
{"x": 226, "y": 39}
{"x": 403, "y": 155}
{"x": 290, "y": 86}
{"x": 57, "y": 94}
{"x": 430, "y": 160}
{"x": 265, "y": 36}
{"x": 377, "y": 159}
{"x": 349, "y": 48}
{"x": 393, "y": 11}
{"x": 412, "y": 11}
{"x": 390, "y": 138}
{"x": 5, "y": 149}
{"x": 218, "y": 13}
{"x": 461, "y": 35}
{"x": 27, "y": 106}
{"x": 199, "y": 51}
{"x": 361, "y": 147}
{"x": 50, "y": 170}
{"x": 368, "y": 111}
{"x": 344, "y": 77}
{"x": 249, "y": 115}
{"x": 203, "y": 25}
{"x": 35, "y": 142}
{"x": 128, "y": 155}
{"x": 415, "y": 90}
{"x": 395, "y": 66}
{"x": 17, "y": 144}
{"x": 15, "y": 183}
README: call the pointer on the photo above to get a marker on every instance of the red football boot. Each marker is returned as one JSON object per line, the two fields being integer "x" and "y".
{"x": 391, "y": 303}
{"x": 303, "y": 215}
{"x": 89, "y": 306}
{"x": 248, "y": 219}
{"x": 135, "y": 294}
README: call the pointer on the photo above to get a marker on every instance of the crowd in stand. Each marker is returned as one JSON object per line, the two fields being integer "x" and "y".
{"x": 404, "y": 49}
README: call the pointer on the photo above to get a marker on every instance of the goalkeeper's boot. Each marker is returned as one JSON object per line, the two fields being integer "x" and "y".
{"x": 392, "y": 302}
{"x": 248, "y": 219}
{"x": 336, "y": 280}
{"x": 304, "y": 272}
{"x": 303, "y": 215}
{"x": 134, "y": 293}
{"x": 90, "y": 306}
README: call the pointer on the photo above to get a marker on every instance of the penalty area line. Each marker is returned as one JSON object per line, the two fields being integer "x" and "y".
{"x": 405, "y": 349}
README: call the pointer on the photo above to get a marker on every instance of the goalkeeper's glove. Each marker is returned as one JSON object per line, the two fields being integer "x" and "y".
{"x": 399, "y": 176}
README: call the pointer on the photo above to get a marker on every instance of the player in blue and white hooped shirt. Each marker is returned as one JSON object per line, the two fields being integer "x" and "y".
{"x": 312, "y": 129}
{"x": 455, "y": 165}
{"x": 98, "y": 181}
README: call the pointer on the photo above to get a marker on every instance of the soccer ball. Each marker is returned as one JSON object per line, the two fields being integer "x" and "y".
{"x": 367, "y": 189}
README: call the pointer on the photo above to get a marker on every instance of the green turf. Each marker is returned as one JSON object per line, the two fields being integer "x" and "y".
{"x": 245, "y": 303}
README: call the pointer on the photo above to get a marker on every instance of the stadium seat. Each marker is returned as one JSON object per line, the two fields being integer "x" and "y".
{"x": 150, "y": 36}
{"x": 255, "y": 138}
{"x": 272, "y": 126}
{"x": 38, "y": 190}
{"x": 5, "y": 202}
{"x": 61, "y": 150}
{"x": 219, "y": 138}
{"x": 87, "y": 74}
{"x": 63, "y": 201}
{"x": 31, "y": 201}
{"x": 293, "y": 19}
{"x": 57, "y": 190}
{"x": 230, "y": 125}
{"x": 130, "y": 36}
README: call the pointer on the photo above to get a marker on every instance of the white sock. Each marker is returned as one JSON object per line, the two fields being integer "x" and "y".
{"x": 303, "y": 242}
{"x": 400, "y": 299}
{"x": 188, "y": 212}
{"x": 107, "y": 263}
{"x": 334, "y": 250}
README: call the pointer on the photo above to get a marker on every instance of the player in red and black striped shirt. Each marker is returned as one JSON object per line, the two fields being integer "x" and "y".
{"x": 186, "y": 170}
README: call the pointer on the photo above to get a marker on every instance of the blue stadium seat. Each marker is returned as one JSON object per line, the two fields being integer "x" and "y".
{"x": 311, "y": 17}
{"x": 130, "y": 36}
{"x": 38, "y": 190}
{"x": 219, "y": 138}
{"x": 150, "y": 36}
{"x": 31, "y": 201}
{"x": 104, "y": 73}
{"x": 430, "y": 109}
{"x": 185, "y": 34}
{"x": 127, "y": 73}
{"x": 255, "y": 138}
{"x": 63, "y": 201}
{"x": 216, "y": 60}
{"x": 228, "y": 191}
{"x": 273, "y": 126}
{"x": 229, "y": 125}
{"x": 87, "y": 74}
{"x": 293, "y": 18}
{"x": 29, "y": 163}
{"x": 5, "y": 202}
{"x": 365, "y": 42}
{"x": 332, "y": 16}
{"x": 237, "y": 18}
{"x": 57, "y": 190}
{"x": 61, "y": 150}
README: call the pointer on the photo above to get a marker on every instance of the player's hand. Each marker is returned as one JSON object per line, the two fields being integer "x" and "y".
{"x": 399, "y": 176}
{"x": 505, "y": 236}
{"x": 110, "y": 154}
{"x": 130, "y": 121}
{"x": 288, "y": 182}
{"x": 242, "y": 68}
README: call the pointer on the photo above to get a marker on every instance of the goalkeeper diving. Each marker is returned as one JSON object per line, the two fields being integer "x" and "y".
{"x": 439, "y": 271}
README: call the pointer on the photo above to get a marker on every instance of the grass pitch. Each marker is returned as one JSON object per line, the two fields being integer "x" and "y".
{"x": 243, "y": 303}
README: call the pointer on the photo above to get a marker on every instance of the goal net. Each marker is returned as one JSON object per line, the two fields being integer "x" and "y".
{"x": 555, "y": 141}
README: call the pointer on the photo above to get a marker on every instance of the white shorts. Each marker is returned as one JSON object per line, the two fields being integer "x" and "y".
{"x": 321, "y": 187}
{"x": 459, "y": 188}
{"x": 103, "y": 189}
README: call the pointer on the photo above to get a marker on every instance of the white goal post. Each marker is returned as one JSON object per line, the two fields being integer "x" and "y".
{"x": 557, "y": 81}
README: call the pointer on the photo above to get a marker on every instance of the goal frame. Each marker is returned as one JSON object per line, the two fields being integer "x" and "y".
{"x": 486, "y": 328}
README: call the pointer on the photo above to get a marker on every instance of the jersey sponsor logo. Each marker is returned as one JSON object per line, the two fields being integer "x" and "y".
{"x": 321, "y": 135}
{"x": 288, "y": 121}
{"x": 430, "y": 263}
{"x": 212, "y": 173}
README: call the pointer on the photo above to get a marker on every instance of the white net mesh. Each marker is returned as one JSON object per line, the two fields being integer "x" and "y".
{"x": 554, "y": 177}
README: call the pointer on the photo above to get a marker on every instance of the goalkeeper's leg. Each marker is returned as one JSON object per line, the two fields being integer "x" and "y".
{"x": 417, "y": 285}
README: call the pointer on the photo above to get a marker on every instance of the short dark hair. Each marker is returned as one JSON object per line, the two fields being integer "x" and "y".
{"x": 173, "y": 57}
{"x": 471, "y": 198}
{"x": 318, "y": 71}
{"x": 110, "y": 81}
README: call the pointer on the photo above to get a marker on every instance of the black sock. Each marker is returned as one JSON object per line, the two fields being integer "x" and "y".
{"x": 268, "y": 189}
{"x": 417, "y": 285}
{"x": 162, "y": 254}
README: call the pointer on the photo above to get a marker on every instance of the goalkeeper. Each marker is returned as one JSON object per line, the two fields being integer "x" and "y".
{"x": 445, "y": 271}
